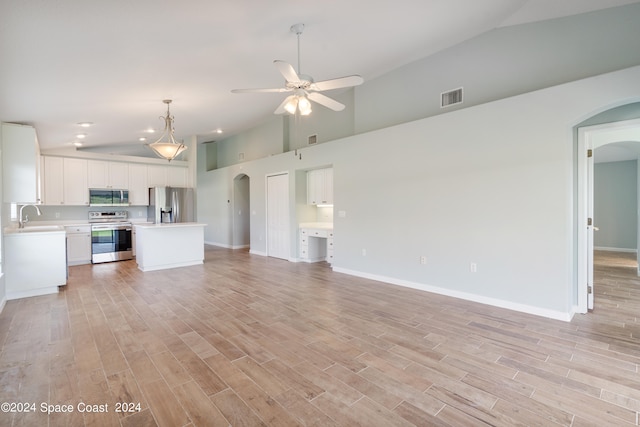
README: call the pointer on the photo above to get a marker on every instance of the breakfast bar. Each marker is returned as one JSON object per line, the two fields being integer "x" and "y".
{"x": 169, "y": 245}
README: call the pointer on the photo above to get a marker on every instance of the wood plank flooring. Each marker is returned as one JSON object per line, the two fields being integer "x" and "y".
{"x": 246, "y": 340}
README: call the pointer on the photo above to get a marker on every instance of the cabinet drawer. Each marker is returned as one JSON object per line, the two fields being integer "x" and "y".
{"x": 304, "y": 240}
{"x": 318, "y": 233}
{"x": 78, "y": 229}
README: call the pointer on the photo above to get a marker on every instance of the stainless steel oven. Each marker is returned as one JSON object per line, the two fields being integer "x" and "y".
{"x": 111, "y": 238}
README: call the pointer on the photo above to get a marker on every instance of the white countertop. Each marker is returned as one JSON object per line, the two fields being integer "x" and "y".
{"x": 320, "y": 225}
{"x": 33, "y": 229}
{"x": 169, "y": 225}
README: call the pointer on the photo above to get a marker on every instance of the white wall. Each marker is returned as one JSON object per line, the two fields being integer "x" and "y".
{"x": 491, "y": 184}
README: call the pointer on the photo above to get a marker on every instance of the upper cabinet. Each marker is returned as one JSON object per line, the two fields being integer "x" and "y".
{"x": 320, "y": 187}
{"x": 138, "y": 185}
{"x": 20, "y": 164}
{"x": 105, "y": 174}
{"x": 65, "y": 181}
{"x": 76, "y": 191}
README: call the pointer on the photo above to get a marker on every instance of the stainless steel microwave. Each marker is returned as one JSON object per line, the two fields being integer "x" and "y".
{"x": 108, "y": 197}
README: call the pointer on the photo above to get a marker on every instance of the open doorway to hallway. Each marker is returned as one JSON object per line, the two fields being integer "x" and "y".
{"x": 617, "y": 191}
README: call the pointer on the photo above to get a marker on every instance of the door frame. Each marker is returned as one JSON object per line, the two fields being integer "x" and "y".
{"x": 590, "y": 138}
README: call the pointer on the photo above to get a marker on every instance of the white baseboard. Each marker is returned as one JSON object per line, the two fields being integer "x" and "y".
{"x": 524, "y": 308}
{"x": 253, "y": 252}
{"x": 605, "y": 248}
{"x": 226, "y": 246}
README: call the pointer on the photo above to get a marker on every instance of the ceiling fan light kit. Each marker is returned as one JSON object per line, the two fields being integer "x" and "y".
{"x": 166, "y": 146}
{"x": 305, "y": 89}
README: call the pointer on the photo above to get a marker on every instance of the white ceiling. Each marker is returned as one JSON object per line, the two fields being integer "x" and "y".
{"x": 113, "y": 62}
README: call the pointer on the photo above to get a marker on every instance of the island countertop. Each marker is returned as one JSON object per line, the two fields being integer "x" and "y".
{"x": 169, "y": 225}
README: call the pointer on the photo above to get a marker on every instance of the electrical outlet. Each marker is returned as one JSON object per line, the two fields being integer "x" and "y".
{"x": 473, "y": 267}
{"x": 423, "y": 260}
{"x": 364, "y": 252}
{"x": 57, "y": 215}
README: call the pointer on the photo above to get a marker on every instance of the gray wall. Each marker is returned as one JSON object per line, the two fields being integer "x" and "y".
{"x": 491, "y": 182}
{"x": 616, "y": 205}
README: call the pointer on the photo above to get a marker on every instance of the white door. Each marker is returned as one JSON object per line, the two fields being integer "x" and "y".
{"x": 278, "y": 216}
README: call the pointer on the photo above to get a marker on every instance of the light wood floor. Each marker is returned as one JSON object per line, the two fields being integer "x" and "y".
{"x": 246, "y": 340}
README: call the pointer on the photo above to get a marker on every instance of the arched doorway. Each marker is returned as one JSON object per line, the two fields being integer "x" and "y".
{"x": 617, "y": 128}
{"x": 241, "y": 212}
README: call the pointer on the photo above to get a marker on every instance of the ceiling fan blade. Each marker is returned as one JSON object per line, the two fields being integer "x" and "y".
{"x": 287, "y": 71}
{"x": 280, "y": 109}
{"x": 338, "y": 83}
{"x": 258, "y": 90}
{"x": 326, "y": 101}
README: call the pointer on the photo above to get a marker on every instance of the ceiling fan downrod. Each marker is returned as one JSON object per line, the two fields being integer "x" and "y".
{"x": 297, "y": 29}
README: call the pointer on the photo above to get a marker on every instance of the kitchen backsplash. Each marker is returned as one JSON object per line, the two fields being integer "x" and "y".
{"x": 72, "y": 213}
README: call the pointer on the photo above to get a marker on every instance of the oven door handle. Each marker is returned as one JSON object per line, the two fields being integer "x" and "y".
{"x": 111, "y": 227}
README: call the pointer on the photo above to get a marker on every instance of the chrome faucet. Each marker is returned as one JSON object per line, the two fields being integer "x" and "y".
{"x": 22, "y": 222}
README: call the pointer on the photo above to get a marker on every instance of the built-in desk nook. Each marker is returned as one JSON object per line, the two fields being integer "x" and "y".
{"x": 316, "y": 242}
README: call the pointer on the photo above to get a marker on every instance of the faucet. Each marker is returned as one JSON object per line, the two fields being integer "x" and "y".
{"x": 22, "y": 222}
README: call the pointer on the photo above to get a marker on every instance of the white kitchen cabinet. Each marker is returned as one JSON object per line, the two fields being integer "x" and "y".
{"x": 138, "y": 185}
{"x": 106, "y": 174}
{"x": 177, "y": 176}
{"x": 35, "y": 263}
{"x": 157, "y": 175}
{"x": 76, "y": 192}
{"x": 320, "y": 187}
{"x": 20, "y": 164}
{"x": 78, "y": 244}
{"x": 65, "y": 181}
{"x": 53, "y": 182}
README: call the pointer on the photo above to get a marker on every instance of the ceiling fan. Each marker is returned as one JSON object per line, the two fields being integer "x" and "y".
{"x": 303, "y": 87}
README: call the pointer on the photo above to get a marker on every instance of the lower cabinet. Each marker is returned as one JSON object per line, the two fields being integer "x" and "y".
{"x": 316, "y": 244}
{"x": 78, "y": 244}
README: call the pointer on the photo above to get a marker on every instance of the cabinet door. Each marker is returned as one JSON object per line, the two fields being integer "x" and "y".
{"x": 138, "y": 187}
{"x": 76, "y": 190}
{"x": 20, "y": 164}
{"x": 176, "y": 176}
{"x": 118, "y": 175}
{"x": 53, "y": 181}
{"x": 157, "y": 175}
{"x": 78, "y": 248}
{"x": 327, "y": 186}
{"x": 97, "y": 174}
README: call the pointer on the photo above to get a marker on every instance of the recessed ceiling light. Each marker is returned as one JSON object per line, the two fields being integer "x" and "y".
{"x": 218, "y": 130}
{"x": 78, "y": 144}
{"x": 81, "y": 135}
{"x": 150, "y": 130}
{"x": 85, "y": 124}
{"x": 142, "y": 138}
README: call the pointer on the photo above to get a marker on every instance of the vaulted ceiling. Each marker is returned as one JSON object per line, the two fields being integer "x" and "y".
{"x": 113, "y": 62}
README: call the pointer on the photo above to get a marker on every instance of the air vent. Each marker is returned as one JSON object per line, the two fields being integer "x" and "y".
{"x": 451, "y": 97}
{"x": 313, "y": 139}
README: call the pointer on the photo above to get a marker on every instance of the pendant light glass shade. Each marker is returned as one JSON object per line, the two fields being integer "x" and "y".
{"x": 166, "y": 146}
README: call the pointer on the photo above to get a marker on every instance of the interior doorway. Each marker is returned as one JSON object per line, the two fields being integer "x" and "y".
{"x": 623, "y": 135}
{"x": 241, "y": 218}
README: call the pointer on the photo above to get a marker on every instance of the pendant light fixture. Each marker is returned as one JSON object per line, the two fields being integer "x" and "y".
{"x": 166, "y": 146}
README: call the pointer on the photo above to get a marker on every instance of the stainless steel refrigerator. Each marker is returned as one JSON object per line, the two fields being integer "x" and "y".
{"x": 171, "y": 204}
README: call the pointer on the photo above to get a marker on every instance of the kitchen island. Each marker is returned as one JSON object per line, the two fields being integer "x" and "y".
{"x": 169, "y": 245}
